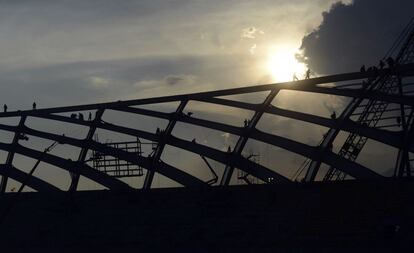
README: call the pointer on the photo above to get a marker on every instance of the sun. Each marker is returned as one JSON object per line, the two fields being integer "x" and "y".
{"x": 283, "y": 65}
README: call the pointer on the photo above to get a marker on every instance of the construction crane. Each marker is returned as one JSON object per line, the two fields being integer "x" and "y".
{"x": 372, "y": 112}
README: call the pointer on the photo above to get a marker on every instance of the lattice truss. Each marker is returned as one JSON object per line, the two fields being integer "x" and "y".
{"x": 27, "y": 136}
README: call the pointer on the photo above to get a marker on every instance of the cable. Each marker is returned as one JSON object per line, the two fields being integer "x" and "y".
{"x": 400, "y": 38}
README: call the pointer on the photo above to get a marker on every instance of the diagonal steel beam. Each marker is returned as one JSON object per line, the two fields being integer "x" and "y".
{"x": 84, "y": 151}
{"x": 164, "y": 137}
{"x": 387, "y": 137}
{"x": 305, "y": 85}
{"x": 241, "y": 162}
{"x": 352, "y": 168}
{"x": 163, "y": 168}
{"x": 35, "y": 183}
{"x": 241, "y": 142}
{"x": 68, "y": 165}
{"x": 175, "y": 174}
{"x": 330, "y": 136}
{"x": 10, "y": 155}
{"x": 403, "y": 163}
{"x": 287, "y": 144}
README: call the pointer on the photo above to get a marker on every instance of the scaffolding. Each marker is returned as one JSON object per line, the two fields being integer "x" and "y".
{"x": 116, "y": 167}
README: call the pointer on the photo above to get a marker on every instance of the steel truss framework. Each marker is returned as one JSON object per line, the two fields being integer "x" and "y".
{"x": 355, "y": 88}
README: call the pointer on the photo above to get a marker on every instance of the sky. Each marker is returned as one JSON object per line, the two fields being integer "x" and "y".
{"x": 77, "y": 52}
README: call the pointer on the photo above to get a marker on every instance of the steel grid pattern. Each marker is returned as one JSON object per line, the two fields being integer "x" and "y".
{"x": 231, "y": 160}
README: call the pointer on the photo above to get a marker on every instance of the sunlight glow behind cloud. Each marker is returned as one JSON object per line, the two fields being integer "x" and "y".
{"x": 283, "y": 65}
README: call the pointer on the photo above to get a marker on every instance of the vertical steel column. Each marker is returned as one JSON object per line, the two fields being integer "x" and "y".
{"x": 82, "y": 155}
{"x": 164, "y": 136}
{"x": 403, "y": 161}
{"x": 10, "y": 155}
{"x": 241, "y": 142}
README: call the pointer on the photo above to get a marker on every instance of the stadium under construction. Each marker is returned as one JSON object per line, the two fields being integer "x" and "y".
{"x": 230, "y": 199}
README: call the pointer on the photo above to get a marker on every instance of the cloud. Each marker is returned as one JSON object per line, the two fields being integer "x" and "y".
{"x": 76, "y": 52}
{"x": 355, "y": 34}
{"x": 180, "y": 79}
{"x": 170, "y": 80}
{"x": 251, "y": 32}
{"x": 252, "y": 49}
{"x": 110, "y": 80}
{"x": 170, "y": 84}
{"x": 54, "y": 32}
{"x": 98, "y": 82}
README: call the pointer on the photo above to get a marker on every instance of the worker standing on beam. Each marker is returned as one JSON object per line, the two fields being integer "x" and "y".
{"x": 308, "y": 72}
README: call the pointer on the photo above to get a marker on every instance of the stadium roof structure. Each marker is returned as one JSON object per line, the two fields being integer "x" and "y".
{"x": 359, "y": 86}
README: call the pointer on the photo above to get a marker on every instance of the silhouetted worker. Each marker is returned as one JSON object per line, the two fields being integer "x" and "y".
{"x": 189, "y": 114}
{"x": 398, "y": 121}
{"x": 23, "y": 137}
{"x": 73, "y": 116}
{"x": 375, "y": 70}
{"x": 390, "y": 62}
{"x": 333, "y": 115}
{"x": 34, "y": 105}
{"x": 61, "y": 142}
{"x": 245, "y": 122}
{"x": 90, "y": 116}
{"x": 362, "y": 69}
{"x": 308, "y": 72}
{"x": 295, "y": 78}
{"x": 157, "y": 131}
{"x": 369, "y": 70}
{"x": 381, "y": 64}
{"x": 229, "y": 149}
{"x": 5, "y": 107}
{"x": 80, "y": 116}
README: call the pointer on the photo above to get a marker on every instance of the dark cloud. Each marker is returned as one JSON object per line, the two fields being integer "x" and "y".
{"x": 179, "y": 79}
{"x": 173, "y": 80}
{"x": 351, "y": 35}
